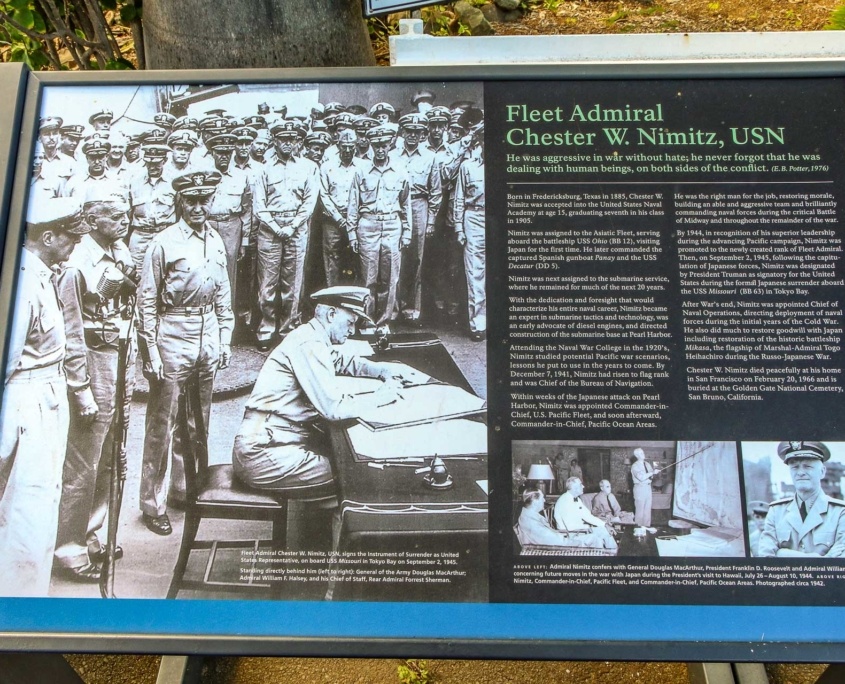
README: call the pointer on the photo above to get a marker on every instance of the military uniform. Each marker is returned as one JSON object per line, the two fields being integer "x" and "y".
{"x": 88, "y": 176}
{"x": 231, "y": 208}
{"x": 285, "y": 197}
{"x": 335, "y": 181}
{"x": 468, "y": 211}
{"x": 379, "y": 220}
{"x": 34, "y": 422}
{"x": 426, "y": 196}
{"x": 185, "y": 316}
{"x": 277, "y": 446}
{"x": 822, "y": 533}
{"x": 92, "y": 360}
{"x": 151, "y": 209}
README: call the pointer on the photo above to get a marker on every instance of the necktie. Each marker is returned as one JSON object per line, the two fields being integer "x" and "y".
{"x": 802, "y": 509}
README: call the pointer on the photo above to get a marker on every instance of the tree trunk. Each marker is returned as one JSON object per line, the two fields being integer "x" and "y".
{"x": 204, "y": 34}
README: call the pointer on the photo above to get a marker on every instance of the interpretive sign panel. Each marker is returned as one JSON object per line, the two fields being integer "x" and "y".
{"x": 527, "y": 356}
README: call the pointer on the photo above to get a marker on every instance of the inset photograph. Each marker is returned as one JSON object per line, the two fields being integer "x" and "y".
{"x": 795, "y": 502}
{"x": 611, "y": 498}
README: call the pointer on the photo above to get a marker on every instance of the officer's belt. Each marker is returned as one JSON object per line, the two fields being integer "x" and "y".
{"x": 419, "y": 195}
{"x": 380, "y": 217}
{"x": 187, "y": 310}
{"x": 474, "y": 207}
{"x": 283, "y": 214}
{"x": 224, "y": 217}
{"x": 52, "y": 372}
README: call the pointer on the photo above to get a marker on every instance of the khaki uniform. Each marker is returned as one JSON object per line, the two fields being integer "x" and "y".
{"x": 335, "y": 182}
{"x": 185, "y": 314}
{"x": 426, "y": 195}
{"x": 231, "y": 212}
{"x": 379, "y": 214}
{"x": 285, "y": 194}
{"x": 468, "y": 211}
{"x": 92, "y": 360}
{"x": 822, "y": 533}
{"x": 152, "y": 210}
{"x": 276, "y": 446}
{"x": 34, "y": 421}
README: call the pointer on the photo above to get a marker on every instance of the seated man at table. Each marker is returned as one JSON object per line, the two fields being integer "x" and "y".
{"x": 605, "y": 505}
{"x": 533, "y": 528}
{"x": 277, "y": 446}
{"x": 572, "y": 516}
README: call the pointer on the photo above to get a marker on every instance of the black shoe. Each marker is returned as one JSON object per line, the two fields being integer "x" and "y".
{"x": 264, "y": 345}
{"x": 89, "y": 573}
{"x": 99, "y": 556}
{"x": 160, "y": 524}
{"x": 478, "y": 335}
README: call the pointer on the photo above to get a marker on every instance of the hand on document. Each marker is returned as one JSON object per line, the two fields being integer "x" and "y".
{"x": 406, "y": 375}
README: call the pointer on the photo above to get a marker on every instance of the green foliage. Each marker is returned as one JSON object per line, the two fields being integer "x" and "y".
{"x": 551, "y": 5}
{"x": 415, "y": 672}
{"x": 616, "y": 17}
{"x": 836, "y": 21}
{"x": 651, "y": 11}
{"x": 52, "y": 34}
{"x": 438, "y": 20}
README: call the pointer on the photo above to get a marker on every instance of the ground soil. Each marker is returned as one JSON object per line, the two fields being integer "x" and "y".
{"x": 559, "y": 17}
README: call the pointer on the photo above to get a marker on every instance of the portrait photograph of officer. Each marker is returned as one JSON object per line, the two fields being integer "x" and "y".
{"x": 796, "y": 505}
{"x": 270, "y": 293}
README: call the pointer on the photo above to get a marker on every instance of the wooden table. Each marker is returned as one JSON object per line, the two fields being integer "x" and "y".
{"x": 393, "y": 510}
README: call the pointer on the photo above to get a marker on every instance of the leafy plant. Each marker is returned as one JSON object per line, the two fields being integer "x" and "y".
{"x": 551, "y": 5}
{"x": 415, "y": 672}
{"x": 616, "y": 17}
{"x": 57, "y": 34}
{"x": 836, "y": 21}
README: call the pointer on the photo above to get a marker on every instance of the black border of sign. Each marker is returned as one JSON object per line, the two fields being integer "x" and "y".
{"x": 518, "y": 647}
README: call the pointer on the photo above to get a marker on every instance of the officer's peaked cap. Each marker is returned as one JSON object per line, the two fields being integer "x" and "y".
{"x": 60, "y": 214}
{"x": 414, "y": 122}
{"x": 102, "y": 115}
{"x": 382, "y": 108}
{"x": 441, "y": 114}
{"x": 50, "y": 123}
{"x": 224, "y": 142}
{"x": 284, "y": 128}
{"x": 184, "y": 136}
{"x": 347, "y": 297}
{"x": 382, "y": 133}
{"x": 96, "y": 143}
{"x": 197, "y": 183}
{"x": 790, "y": 450}
{"x": 72, "y": 131}
{"x": 346, "y": 136}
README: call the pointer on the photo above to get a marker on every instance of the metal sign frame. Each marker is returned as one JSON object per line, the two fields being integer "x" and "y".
{"x": 479, "y": 630}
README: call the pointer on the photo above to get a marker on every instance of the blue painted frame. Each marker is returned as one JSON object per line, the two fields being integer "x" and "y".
{"x": 618, "y": 632}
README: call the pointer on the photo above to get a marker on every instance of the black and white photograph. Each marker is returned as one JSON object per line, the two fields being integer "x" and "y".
{"x": 795, "y": 504}
{"x": 248, "y": 350}
{"x": 617, "y": 498}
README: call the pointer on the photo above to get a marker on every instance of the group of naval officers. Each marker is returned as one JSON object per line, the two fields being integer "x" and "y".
{"x": 154, "y": 229}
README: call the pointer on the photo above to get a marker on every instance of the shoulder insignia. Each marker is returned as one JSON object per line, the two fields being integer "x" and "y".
{"x": 780, "y": 502}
